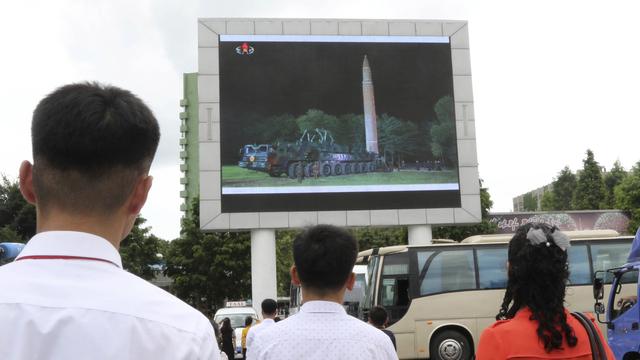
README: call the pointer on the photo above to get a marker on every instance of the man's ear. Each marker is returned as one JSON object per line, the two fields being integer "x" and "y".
{"x": 295, "y": 280}
{"x": 351, "y": 281}
{"x": 26, "y": 182}
{"x": 139, "y": 195}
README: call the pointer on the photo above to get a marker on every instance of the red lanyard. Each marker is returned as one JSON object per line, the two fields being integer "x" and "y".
{"x": 63, "y": 257}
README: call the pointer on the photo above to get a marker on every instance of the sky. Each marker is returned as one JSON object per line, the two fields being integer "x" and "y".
{"x": 551, "y": 78}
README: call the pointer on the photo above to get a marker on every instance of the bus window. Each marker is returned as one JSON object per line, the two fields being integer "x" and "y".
{"x": 607, "y": 256}
{"x": 447, "y": 271}
{"x": 492, "y": 268}
{"x": 394, "y": 289}
{"x": 579, "y": 265}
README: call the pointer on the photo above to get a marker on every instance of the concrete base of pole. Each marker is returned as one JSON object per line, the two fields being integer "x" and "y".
{"x": 420, "y": 235}
{"x": 263, "y": 266}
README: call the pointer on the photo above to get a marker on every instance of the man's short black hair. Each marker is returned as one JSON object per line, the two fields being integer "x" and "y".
{"x": 378, "y": 316}
{"x": 90, "y": 143}
{"x": 269, "y": 306}
{"x": 324, "y": 256}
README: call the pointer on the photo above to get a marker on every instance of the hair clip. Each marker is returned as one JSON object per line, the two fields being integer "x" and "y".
{"x": 562, "y": 241}
{"x": 536, "y": 236}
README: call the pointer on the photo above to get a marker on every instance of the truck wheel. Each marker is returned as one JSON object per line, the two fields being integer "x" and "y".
{"x": 337, "y": 169}
{"x": 293, "y": 173}
{"x": 347, "y": 169}
{"x": 326, "y": 169}
{"x": 450, "y": 345}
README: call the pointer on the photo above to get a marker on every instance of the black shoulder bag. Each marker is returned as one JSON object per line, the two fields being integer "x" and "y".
{"x": 597, "y": 348}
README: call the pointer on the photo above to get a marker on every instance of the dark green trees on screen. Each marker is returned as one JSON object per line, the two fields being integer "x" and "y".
{"x": 443, "y": 131}
{"x": 590, "y": 192}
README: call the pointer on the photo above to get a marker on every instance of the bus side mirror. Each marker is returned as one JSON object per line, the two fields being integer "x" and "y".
{"x": 598, "y": 288}
{"x": 598, "y": 308}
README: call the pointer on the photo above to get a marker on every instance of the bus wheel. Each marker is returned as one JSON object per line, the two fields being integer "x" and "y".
{"x": 450, "y": 345}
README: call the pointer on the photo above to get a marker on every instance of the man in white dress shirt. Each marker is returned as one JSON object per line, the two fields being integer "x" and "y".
{"x": 324, "y": 257}
{"x": 269, "y": 312}
{"x": 66, "y": 295}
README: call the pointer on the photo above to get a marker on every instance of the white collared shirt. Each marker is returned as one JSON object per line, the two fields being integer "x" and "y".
{"x": 321, "y": 330}
{"x": 256, "y": 329}
{"x": 67, "y": 297}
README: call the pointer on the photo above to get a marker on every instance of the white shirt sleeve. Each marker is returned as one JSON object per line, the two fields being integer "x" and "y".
{"x": 250, "y": 337}
{"x": 209, "y": 347}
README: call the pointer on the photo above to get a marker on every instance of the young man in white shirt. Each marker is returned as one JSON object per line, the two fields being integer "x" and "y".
{"x": 269, "y": 312}
{"x": 324, "y": 257}
{"x": 66, "y": 295}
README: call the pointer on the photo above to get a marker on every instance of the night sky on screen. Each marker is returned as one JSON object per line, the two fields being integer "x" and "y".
{"x": 293, "y": 77}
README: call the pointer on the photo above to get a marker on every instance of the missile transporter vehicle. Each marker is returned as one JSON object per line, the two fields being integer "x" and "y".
{"x": 314, "y": 154}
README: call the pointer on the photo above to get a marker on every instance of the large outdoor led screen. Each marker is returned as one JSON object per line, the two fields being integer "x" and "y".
{"x": 337, "y": 123}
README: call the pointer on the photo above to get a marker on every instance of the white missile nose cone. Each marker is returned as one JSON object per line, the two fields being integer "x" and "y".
{"x": 365, "y": 62}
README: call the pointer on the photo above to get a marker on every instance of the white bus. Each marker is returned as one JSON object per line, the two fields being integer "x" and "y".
{"x": 440, "y": 297}
{"x": 352, "y": 299}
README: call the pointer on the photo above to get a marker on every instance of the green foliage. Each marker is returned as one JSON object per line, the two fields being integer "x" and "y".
{"x": 627, "y": 197}
{"x": 443, "y": 144}
{"x": 612, "y": 179}
{"x": 284, "y": 259}
{"x": 208, "y": 268}
{"x": 530, "y": 203}
{"x": 563, "y": 189}
{"x": 590, "y": 190}
{"x": 141, "y": 249}
{"x": 8, "y": 234}
{"x": 399, "y": 138}
{"x": 274, "y": 129}
{"x": 16, "y": 215}
{"x": 370, "y": 237}
{"x": 460, "y": 232}
{"x": 548, "y": 202}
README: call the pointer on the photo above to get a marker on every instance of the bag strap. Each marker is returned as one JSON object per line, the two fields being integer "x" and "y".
{"x": 597, "y": 348}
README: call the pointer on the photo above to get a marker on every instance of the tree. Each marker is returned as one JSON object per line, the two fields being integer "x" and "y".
{"x": 18, "y": 216}
{"x": 208, "y": 268}
{"x": 563, "y": 189}
{"x": 612, "y": 179}
{"x": 627, "y": 195}
{"x": 443, "y": 145}
{"x": 140, "y": 249}
{"x": 530, "y": 203}
{"x": 398, "y": 137}
{"x": 548, "y": 202}
{"x": 590, "y": 191}
{"x": 284, "y": 259}
{"x": 461, "y": 232}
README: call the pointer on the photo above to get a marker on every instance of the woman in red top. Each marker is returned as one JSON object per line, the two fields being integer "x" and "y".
{"x": 533, "y": 322}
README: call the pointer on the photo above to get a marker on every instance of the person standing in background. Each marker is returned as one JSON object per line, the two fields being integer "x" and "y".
{"x": 228, "y": 338}
{"x": 269, "y": 312}
{"x": 248, "y": 321}
{"x": 378, "y": 317}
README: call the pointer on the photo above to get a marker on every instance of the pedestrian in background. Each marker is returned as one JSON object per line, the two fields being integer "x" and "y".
{"x": 324, "y": 257}
{"x": 66, "y": 296}
{"x": 228, "y": 338}
{"x": 269, "y": 311}
{"x": 248, "y": 321}
{"x": 533, "y": 322}
{"x": 378, "y": 317}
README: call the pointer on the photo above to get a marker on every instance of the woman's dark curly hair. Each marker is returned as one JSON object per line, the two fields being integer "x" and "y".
{"x": 538, "y": 275}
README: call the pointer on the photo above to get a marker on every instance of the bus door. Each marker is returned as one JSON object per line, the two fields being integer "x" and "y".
{"x": 393, "y": 294}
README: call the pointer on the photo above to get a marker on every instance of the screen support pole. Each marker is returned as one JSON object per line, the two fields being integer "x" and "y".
{"x": 420, "y": 234}
{"x": 263, "y": 267}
